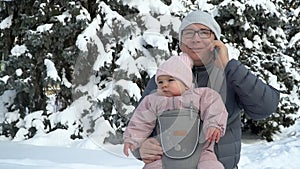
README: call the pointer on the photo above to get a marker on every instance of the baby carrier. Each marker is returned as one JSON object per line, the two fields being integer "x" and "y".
{"x": 178, "y": 131}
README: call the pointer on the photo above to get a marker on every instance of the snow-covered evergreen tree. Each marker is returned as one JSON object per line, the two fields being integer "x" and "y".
{"x": 102, "y": 54}
{"x": 258, "y": 30}
{"x": 38, "y": 55}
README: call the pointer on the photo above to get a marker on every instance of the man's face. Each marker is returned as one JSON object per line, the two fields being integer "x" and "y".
{"x": 197, "y": 45}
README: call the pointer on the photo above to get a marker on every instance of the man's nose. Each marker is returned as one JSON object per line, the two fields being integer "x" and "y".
{"x": 196, "y": 37}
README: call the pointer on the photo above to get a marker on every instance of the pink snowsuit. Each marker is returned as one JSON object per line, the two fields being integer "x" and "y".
{"x": 209, "y": 103}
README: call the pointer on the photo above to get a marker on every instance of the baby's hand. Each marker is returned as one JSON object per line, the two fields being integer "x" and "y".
{"x": 126, "y": 147}
{"x": 213, "y": 134}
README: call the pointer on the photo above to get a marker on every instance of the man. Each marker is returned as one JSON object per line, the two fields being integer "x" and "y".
{"x": 199, "y": 37}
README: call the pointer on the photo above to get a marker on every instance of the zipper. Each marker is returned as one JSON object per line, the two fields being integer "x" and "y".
{"x": 174, "y": 103}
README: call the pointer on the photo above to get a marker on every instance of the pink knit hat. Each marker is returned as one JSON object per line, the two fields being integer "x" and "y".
{"x": 178, "y": 67}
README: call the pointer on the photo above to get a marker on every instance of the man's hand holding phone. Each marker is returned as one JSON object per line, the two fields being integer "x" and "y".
{"x": 220, "y": 54}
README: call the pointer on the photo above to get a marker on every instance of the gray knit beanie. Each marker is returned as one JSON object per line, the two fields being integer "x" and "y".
{"x": 202, "y": 18}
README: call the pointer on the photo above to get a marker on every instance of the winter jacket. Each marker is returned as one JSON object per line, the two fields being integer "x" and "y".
{"x": 241, "y": 91}
{"x": 209, "y": 103}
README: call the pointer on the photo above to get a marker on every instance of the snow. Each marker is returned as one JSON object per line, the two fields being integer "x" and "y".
{"x": 265, "y": 4}
{"x": 18, "y": 50}
{"x": 6, "y": 23}
{"x": 65, "y": 16}
{"x": 147, "y": 6}
{"x": 44, "y": 28}
{"x": 51, "y": 70}
{"x": 60, "y": 157}
{"x": 4, "y": 78}
{"x": 156, "y": 40}
{"x": 294, "y": 39}
{"x": 56, "y": 151}
{"x": 19, "y": 72}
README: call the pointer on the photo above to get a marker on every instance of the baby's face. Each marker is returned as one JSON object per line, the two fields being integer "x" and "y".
{"x": 170, "y": 86}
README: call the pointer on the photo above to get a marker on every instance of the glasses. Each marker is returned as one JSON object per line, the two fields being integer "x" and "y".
{"x": 202, "y": 33}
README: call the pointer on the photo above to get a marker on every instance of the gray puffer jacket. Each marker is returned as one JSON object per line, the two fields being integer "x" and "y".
{"x": 241, "y": 91}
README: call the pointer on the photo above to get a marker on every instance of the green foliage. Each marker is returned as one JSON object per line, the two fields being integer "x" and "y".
{"x": 112, "y": 107}
{"x": 265, "y": 57}
{"x": 9, "y": 129}
{"x": 127, "y": 30}
{"x": 292, "y": 27}
{"x": 122, "y": 9}
{"x": 46, "y": 30}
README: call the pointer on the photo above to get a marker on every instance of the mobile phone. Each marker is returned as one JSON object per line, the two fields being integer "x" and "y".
{"x": 216, "y": 53}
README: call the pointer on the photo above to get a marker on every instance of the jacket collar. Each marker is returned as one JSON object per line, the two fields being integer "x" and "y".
{"x": 207, "y": 68}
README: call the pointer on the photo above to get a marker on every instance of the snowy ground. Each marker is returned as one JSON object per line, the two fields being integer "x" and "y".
{"x": 51, "y": 152}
